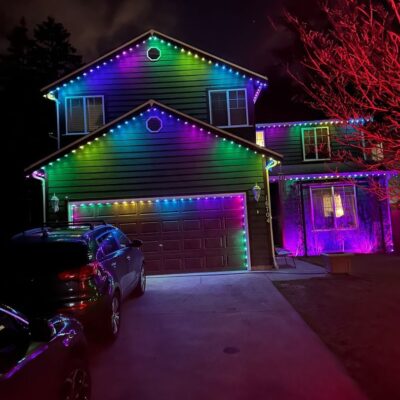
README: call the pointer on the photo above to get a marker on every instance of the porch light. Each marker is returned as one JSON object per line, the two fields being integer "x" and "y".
{"x": 55, "y": 202}
{"x": 256, "y": 192}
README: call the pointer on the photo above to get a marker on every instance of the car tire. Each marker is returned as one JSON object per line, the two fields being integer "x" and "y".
{"x": 112, "y": 321}
{"x": 76, "y": 383}
{"x": 141, "y": 285}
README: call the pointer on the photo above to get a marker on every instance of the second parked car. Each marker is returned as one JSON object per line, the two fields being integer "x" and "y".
{"x": 80, "y": 270}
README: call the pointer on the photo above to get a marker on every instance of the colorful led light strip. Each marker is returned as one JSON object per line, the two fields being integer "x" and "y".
{"x": 331, "y": 176}
{"x": 128, "y": 121}
{"x": 152, "y": 39}
{"x": 358, "y": 121}
{"x": 168, "y": 200}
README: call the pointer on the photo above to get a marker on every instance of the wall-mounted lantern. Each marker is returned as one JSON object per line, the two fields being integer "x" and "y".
{"x": 55, "y": 203}
{"x": 256, "y": 192}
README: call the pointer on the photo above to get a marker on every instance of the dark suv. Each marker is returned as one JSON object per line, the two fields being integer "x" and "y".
{"x": 80, "y": 270}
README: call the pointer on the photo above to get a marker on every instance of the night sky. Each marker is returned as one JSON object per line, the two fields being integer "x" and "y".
{"x": 248, "y": 33}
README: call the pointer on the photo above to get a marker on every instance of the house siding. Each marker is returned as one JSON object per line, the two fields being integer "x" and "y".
{"x": 288, "y": 141}
{"x": 178, "y": 160}
{"x": 177, "y": 79}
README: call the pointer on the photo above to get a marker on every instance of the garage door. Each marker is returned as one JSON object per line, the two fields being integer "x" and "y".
{"x": 187, "y": 234}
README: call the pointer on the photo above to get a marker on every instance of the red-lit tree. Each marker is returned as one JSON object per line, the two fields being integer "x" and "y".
{"x": 352, "y": 70}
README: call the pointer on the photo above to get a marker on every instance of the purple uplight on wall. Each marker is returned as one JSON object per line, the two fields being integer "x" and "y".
{"x": 334, "y": 217}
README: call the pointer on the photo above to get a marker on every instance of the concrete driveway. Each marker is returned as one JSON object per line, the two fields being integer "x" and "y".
{"x": 226, "y": 336}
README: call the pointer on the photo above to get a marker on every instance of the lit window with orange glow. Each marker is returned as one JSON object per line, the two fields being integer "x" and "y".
{"x": 260, "y": 138}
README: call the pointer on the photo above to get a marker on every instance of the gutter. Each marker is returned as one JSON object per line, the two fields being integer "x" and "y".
{"x": 40, "y": 176}
{"x": 270, "y": 164}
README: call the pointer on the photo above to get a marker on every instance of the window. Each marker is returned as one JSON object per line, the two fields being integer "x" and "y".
{"x": 377, "y": 152}
{"x": 333, "y": 207}
{"x": 84, "y": 114}
{"x": 260, "y": 138}
{"x": 153, "y": 54}
{"x": 122, "y": 239}
{"x": 107, "y": 244}
{"x": 154, "y": 124}
{"x": 316, "y": 144}
{"x": 228, "y": 108}
{"x": 374, "y": 152}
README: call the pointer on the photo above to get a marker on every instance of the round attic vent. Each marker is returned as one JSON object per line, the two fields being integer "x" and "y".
{"x": 154, "y": 124}
{"x": 153, "y": 54}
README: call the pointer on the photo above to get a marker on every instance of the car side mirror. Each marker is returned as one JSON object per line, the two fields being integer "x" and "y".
{"x": 136, "y": 243}
{"x": 40, "y": 329}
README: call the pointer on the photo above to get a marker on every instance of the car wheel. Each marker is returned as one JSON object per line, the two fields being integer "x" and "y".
{"x": 141, "y": 285}
{"x": 77, "y": 382}
{"x": 113, "y": 318}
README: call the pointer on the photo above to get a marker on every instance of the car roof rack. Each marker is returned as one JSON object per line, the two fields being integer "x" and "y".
{"x": 90, "y": 224}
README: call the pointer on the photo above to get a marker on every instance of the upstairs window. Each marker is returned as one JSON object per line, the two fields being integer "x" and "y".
{"x": 377, "y": 152}
{"x": 260, "y": 141}
{"x": 373, "y": 151}
{"x": 84, "y": 114}
{"x": 316, "y": 144}
{"x": 228, "y": 108}
{"x": 333, "y": 207}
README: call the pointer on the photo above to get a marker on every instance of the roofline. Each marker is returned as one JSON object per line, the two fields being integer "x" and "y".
{"x": 150, "y": 32}
{"x": 150, "y": 103}
{"x": 355, "y": 121}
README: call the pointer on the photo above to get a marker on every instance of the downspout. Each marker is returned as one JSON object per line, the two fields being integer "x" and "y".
{"x": 58, "y": 124}
{"x": 270, "y": 164}
{"x": 52, "y": 97}
{"x": 40, "y": 176}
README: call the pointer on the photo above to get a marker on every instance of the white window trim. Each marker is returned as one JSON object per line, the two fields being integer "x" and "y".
{"x": 84, "y": 113}
{"x": 316, "y": 147}
{"x": 227, "y": 107}
{"x": 332, "y": 187}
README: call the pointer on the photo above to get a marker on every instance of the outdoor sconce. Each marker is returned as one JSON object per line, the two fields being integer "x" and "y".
{"x": 256, "y": 192}
{"x": 55, "y": 203}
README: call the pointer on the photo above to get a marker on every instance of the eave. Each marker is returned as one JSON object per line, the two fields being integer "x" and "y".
{"x": 105, "y": 129}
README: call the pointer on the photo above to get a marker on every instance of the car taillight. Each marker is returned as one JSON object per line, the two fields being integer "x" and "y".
{"x": 80, "y": 274}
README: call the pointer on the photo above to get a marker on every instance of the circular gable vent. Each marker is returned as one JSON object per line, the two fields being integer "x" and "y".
{"x": 154, "y": 124}
{"x": 153, "y": 54}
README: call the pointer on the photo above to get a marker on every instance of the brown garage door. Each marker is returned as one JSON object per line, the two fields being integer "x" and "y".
{"x": 187, "y": 234}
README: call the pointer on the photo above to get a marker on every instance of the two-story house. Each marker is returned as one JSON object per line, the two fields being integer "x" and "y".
{"x": 157, "y": 137}
{"x": 320, "y": 205}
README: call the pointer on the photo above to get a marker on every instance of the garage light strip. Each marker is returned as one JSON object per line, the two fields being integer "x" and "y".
{"x": 169, "y": 200}
{"x": 154, "y": 39}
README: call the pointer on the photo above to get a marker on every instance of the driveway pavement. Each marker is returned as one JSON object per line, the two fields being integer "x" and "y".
{"x": 206, "y": 337}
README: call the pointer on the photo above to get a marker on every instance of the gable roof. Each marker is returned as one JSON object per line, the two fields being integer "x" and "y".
{"x": 138, "y": 110}
{"x": 259, "y": 79}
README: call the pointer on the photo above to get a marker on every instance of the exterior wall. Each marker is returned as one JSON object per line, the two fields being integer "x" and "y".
{"x": 396, "y": 227}
{"x": 288, "y": 141}
{"x": 179, "y": 160}
{"x": 177, "y": 79}
{"x": 373, "y": 233}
